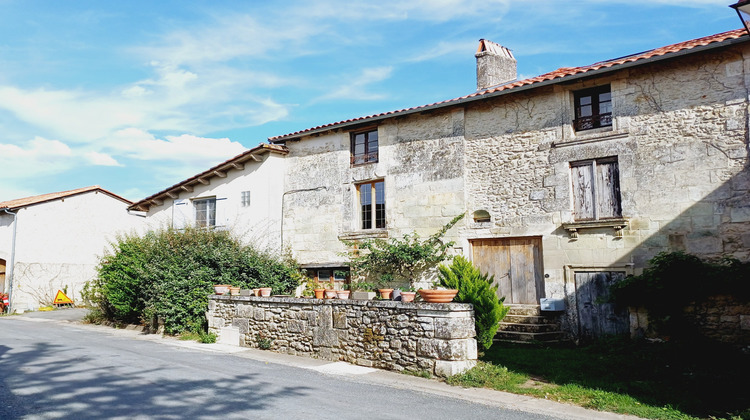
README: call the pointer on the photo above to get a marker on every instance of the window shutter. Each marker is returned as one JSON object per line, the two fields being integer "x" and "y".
{"x": 221, "y": 212}
{"x": 181, "y": 214}
{"x": 583, "y": 194}
{"x": 608, "y": 190}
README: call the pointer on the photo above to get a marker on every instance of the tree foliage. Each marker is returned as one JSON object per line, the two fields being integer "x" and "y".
{"x": 475, "y": 288}
{"x": 168, "y": 275}
{"x": 401, "y": 259}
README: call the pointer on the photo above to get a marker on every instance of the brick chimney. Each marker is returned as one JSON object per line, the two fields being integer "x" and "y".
{"x": 495, "y": 65}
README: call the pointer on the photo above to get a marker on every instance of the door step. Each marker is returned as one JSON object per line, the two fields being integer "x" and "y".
{"x": 527, "y": 323}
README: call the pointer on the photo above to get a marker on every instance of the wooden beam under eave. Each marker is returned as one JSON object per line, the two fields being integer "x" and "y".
{"x": 238, "y": 166}
{"x": 255, "y": 158}
{"x": 172, "y": 195}
{"x": 188, "y": 188}
{"x": 157, "y": 202}
{"x": 220, "y": 174}
{"x": 203, "y": 181}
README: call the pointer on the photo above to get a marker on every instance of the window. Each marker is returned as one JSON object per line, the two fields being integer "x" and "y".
{"x": 205, "y": 212}
{"x": 245, "y": 198}
{"x": 364, "y": 147}
{"x": 372, "y": 204}
{"x": 593, "y": 108}
{"x": 338, "y": 276}
{"x": 596, "y": 189}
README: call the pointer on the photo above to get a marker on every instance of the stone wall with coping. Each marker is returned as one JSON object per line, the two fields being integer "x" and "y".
{"x": 434, "y": 337}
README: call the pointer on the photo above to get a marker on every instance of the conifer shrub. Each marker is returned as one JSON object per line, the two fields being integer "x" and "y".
{"x": 167, "y": 275}
{"x": 475, "y": 288}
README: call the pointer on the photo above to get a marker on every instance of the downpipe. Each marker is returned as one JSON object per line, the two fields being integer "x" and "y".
{"x": 12, "y": 263}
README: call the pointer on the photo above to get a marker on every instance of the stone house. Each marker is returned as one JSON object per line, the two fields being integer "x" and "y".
{"x": 570, "y": 180}
{"x": 243, "y": 194}
{"x": 53, "y": 242}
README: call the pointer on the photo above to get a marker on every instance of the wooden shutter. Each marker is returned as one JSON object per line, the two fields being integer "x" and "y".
{"x": 583, "y": 192}
{"x": 181, "y": 214}
{"x": 222, "y": 219}
{"x": 607, "y": 190}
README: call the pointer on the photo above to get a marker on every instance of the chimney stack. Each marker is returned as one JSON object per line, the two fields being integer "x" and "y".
{"x": 495, "y": 65}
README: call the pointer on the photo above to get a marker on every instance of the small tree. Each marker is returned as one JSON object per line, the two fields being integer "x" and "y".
{"x": 403, "y": 258}
{"x": 475, "y": 288}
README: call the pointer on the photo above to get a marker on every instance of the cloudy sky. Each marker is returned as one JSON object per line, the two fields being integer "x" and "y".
{"x": 138, "y": 95}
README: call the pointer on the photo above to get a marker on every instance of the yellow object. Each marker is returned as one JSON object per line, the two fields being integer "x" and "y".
{"x": 61, "y": 299}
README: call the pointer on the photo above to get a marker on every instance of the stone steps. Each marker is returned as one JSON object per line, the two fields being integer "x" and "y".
{"x": 527, "y": 323}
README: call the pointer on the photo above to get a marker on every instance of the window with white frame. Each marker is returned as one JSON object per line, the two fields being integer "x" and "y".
{"x": 205, "y": 212}
{"x": 372, "y": 205}
{"x": 245, "y": 199}
{"x": 596, "y": 189}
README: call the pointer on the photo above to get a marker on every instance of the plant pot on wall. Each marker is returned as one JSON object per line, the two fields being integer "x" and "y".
{"x": 320, "y": 293}
{"x": 385, "y": 293}
{"x": 438, "y": 295}
{"x": 330, "y": 294}
{"x": 234, "y": 291}
{"x": 265, "y": 291}
{"x": 221, "y": 289}
{"x": 342, "y": 294}
{"x": 408, "y": 296}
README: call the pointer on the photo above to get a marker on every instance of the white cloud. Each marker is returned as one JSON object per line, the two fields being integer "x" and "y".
{"x": 101, "y": 159}
{"x": 357, "y": 87}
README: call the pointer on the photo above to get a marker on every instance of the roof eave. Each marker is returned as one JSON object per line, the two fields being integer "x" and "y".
{"x": 564, "y": 79}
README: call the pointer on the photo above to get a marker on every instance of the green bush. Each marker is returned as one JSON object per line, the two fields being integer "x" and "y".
{"x": 166, "y": 276}
{"x": 475, "y": 288}
{"x": 673, "y": 280}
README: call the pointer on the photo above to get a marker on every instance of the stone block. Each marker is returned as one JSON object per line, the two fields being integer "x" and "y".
{"x": 229, "y": 335}
{"x": 445, "y": 368}
{"x": 295, "y": 326}
{"x": 244, "y": 311}
{"x": 325, "y": 317}
{"x": 704, "y": 245}
{"x": 434, "y": 348}
{"x": 740, "y": 214}
{"x": 339, "y": 319}
{"x": 241, "y": 323}
{"x": 745, "y": 322}
{"x": 259, "y": 314}
{"x": 325, "y": 337}
{"x": 450, "y": 328}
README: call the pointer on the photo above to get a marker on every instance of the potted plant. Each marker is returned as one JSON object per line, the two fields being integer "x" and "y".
{"x": 408, "y": 295}
{"x": 221, "y": 289}
{"x": 385, "y": 280}
{"x": 234, "y": 291}
{"x": 265, "y": 291}
{"x": 343, "y": 293}
{"x": 362, "y": 290}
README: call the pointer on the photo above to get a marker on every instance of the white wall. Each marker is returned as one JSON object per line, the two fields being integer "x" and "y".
{"x": 58, "y": 244}
{"x": 259, "y": 223}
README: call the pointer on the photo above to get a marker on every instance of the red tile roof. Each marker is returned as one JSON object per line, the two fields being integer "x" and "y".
{"x": 553, "y": 75}
{"x": 38, "y": 199}
{"x": 245, "y": 156}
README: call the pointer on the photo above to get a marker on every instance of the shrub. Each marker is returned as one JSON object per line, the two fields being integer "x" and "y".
{"x": 475, "y": 288}
{"x": 400, "y": 259}
{"x": 166, "y": 276}
{"x": 673, "y": 280}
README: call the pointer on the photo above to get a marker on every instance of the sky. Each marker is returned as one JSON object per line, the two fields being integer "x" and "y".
{"x": 138, "y": 95}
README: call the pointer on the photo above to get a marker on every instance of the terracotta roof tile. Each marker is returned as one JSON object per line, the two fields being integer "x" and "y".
{"x": 143, "y": 205}
{"x": 556, "y": 74}
{"x": 37, "y": 199}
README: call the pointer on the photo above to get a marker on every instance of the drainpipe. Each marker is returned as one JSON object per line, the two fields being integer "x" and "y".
{"x": 11, "y": 265}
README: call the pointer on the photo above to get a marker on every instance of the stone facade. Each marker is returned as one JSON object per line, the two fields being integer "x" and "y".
{"x": 438, "y": 338}
{"x": 678, "y": 137}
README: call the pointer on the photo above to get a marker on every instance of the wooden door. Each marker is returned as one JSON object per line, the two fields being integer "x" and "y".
{"x": 596, "y": 317}
{"x": 516, "y": 264}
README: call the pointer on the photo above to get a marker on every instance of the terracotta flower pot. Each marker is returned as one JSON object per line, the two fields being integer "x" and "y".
{"x": 320, "y": 293}
{"x": 438, "y": 296}
{"x": 256, "y": 292}
{"x": 265, "y": 291}
{"x": 234, "y": 291}
{"x": 342, "y": 294}
{"x": 330, "y": 294}
{"x": 408, "y": 296}
{"x": 385, "y": 293}
{"x": 221, "y": 289}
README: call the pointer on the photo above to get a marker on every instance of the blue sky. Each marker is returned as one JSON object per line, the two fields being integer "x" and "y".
{"x": 138, "y": 95}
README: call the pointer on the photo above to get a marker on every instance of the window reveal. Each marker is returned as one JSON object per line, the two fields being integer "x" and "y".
{"x": 596, "y": 189}
{"x": 245, "y": 198}
{"x": 372, "y": 205}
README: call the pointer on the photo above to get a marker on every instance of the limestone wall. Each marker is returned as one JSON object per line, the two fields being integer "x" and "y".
{"x": 438, "y": 338}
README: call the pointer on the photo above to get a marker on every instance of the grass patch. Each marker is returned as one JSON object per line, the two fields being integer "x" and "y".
{"x": 651, "y": 380}
{"x": 418, "y": 373}
{"x": 201, "y": 337}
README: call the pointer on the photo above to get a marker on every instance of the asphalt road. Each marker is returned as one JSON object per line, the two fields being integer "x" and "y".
{"x": 51, "y": 368}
